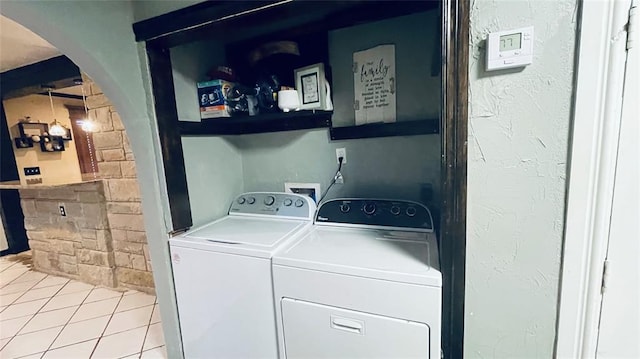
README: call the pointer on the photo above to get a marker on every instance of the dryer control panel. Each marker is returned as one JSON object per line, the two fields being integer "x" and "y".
{"x": 273, "y": 204}
{"x": 376, "y": 212}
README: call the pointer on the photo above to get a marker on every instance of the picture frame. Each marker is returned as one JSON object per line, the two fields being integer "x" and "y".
{"x": 311, "y": 87}
{"x": 52, "y": 144}
{"x": 67, "y": 136}
{"x": 28, "y": 129}
{"x": 23, "y": 142}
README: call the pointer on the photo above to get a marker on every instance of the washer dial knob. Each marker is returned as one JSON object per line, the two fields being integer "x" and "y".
{"x": 411, "y": 211}
{"x": 288, "y": 202}
{"x": 251, "y": 200}
{"x": 269, "y": 200}
{"x": 344, "y": 208}
{"x": 395, "y": 210}
{"x": 369, "y": 208}
{"x": 299, "y": 203}
{"x": 241, "y": 200}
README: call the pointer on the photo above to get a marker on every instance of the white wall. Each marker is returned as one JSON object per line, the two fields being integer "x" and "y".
{"x": 518, "y": 140}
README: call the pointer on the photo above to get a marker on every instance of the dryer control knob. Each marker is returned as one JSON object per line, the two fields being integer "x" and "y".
{"x": 269, "y": 200}
{"x": 299, "y": 203}
{"x": 251, "y": 200}
{"x": 344, "y": 208}
{"x": 369, "y": 208}
{"x": 411, "y": 211}
{"x": 288, "y": 202}
{"x": 395, "y": 210}
{"x": 241, "y": 200}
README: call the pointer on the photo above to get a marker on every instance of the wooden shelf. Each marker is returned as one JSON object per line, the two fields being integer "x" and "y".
{"x": 273, "y": 122}
{"x": 402, "y": 128}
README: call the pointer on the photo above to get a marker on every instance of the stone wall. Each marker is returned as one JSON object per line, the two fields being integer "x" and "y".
{"x": 102, "y": 240}
{"x": 78, "y": 245}
{"x": 116, "y": 166}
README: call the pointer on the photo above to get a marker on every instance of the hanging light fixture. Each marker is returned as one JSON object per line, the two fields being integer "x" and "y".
{"x": 86, "y": 124}
{"x": 56, "y": 129}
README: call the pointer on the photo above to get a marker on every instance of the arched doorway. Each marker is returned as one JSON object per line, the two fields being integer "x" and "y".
{"x": 97, "y": 36}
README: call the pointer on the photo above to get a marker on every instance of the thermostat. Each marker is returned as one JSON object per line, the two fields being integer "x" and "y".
{"x": 508, "y": 49}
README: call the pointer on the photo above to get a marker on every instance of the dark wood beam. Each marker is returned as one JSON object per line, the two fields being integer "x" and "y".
{"x": 238, "y": 20}
{"x": 58, "y": 72}
{"x": 455, "y": 77}
{"x": 61, "y": 95}
{"x": 169, "y": 133}
{"x": 192, "y": 17}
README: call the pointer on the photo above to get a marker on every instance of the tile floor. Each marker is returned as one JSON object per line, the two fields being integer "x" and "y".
{"x": 45, "y": 316}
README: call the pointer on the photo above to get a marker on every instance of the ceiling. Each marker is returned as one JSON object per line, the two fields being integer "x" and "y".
{"x": 19, "y": 46}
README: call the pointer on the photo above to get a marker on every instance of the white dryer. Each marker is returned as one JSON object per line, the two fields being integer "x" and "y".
{"x": 222, "y": 275}
{"x": 364, "y": 283}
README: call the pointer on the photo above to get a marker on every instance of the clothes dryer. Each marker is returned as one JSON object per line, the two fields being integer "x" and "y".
{"x": 363, "y": 283}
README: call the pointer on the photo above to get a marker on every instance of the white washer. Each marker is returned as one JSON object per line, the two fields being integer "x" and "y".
{"x": 222, "y": 275}
{"x": 364, "y": 283}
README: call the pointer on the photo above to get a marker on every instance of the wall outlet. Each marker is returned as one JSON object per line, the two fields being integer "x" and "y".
{"x": 63, "y": 212}
{"x": 341, "y": 152}
{"x": 31, "y": 171}
{"x": 310, "y": 189}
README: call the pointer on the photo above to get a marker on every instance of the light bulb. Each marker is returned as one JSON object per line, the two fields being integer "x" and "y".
{"x": 87, "y": 125}
{"x": 57, "y": 130}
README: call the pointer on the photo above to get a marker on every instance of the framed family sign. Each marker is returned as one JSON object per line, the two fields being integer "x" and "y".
{"x": 374, "y": 84}
{"x": 311, "y": 86}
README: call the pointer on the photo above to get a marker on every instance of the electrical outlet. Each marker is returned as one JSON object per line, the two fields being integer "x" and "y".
{"x": 341, "y": 152}
{"x": 63, "y": 212}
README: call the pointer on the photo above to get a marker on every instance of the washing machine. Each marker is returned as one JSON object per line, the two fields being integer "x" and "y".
{"x": 222, "y": 275}
{"x": 363, "y": 283}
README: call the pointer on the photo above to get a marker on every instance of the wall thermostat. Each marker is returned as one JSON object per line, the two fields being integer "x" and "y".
{"x": 508, "y": 49}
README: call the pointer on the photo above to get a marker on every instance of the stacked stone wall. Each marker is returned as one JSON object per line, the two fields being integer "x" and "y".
{"x": 116, "y": 166}
{"x": 78, "y": 245}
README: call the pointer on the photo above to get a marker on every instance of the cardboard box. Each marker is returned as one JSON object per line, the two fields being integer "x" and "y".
{"x": 213, "y": 98}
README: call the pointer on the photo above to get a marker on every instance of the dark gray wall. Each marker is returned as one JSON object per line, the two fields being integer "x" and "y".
{"x": 218, "y": 168}
{"x": 416, "y": 39}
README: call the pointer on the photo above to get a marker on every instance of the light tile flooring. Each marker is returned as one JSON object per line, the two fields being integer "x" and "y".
{"x": 45, "y": 316}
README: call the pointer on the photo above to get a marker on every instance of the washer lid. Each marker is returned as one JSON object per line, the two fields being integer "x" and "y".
{"x": 234, "y": 233}
{"x": 409, "y": 257}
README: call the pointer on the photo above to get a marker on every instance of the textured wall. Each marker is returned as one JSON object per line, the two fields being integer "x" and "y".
{"x": 106, "y": 50}
{"x": 518, "y": 140}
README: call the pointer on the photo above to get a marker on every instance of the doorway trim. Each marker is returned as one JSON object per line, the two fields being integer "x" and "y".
{"x": 453, "y": 171}
{"x": 594, "y": 138}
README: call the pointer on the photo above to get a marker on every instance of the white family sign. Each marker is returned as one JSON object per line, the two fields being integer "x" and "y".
{"x": 374, "y": 82}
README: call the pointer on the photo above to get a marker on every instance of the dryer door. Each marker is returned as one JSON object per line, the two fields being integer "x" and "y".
{"x": 319, "y": 331}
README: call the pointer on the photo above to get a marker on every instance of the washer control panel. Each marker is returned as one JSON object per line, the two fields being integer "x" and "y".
{"x": 376, "y": 212}
{"x": 274, "y": 204}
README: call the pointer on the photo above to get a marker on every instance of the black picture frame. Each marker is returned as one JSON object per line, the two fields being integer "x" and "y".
{"x": 28, "y": 129}
{"x": 67, "y": 136}
{"x": 23, "y": 142}
{"x": 51, "y": 144}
